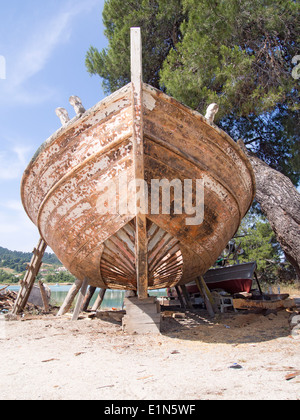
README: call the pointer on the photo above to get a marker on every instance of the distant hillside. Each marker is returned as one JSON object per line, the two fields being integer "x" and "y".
{"x": 18, "y": 261}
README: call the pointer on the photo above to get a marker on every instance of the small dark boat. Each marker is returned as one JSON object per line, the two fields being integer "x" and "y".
{"x": 233, "y": 279}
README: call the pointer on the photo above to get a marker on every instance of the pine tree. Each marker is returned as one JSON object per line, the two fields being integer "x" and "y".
{"x": 160, "y": 21}
{"x": 238, "y": 53}
{"x": 258, "y": 242}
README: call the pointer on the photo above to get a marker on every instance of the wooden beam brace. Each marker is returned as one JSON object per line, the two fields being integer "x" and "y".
{"x": 44, "y": 296}
{"x": 70, "y": 298}
{"x": 186, "y": 297}
{"x": 179, "y": 294}
{"x": 206, "y": 294}
{"x": 80, "y": 299}
{"x": 138, "y": 150}
{"x": 99, "y": 300}
{"x": 88, "y": 298}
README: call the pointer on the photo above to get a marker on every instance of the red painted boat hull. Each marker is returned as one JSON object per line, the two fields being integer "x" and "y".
{"x": 232, "y": 286}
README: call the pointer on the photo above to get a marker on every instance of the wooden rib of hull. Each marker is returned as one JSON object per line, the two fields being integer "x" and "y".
{"x": 165, "y": 261}
{"x": 63, "y": 183}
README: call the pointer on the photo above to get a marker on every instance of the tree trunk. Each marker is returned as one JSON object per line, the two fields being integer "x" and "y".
{"x": 280, "y": 202}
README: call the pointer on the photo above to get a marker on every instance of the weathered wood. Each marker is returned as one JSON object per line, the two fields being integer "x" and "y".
{"x": 211, "y": 112}
{"x": 179, "y": 294}
{"x": 138, "y": 150}
{"x": 44, "y": 296}
{"x": 76, "y": 103}
{"x": 142, "y": 316}
{"x": 258, "y": 283}
{"x": 88, "y": 298}
{"x": 142, "y": 133}
{"x": 30, "y": 277}
{"x": 266, "y": 304}
{"x": 206, "y": 294}
{"x": 63, "y": 115}
{"x": 109, "y": 316}
{"x": 70, "y": 298}
{"x": 186, "y": 297}
{"x": 99, "y": 300}
{"x": 80, "y": 299}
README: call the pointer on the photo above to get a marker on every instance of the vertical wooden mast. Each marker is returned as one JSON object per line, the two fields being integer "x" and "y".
{"x": 138, "y": 147}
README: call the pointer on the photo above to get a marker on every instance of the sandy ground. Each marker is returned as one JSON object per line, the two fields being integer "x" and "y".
{"x": 56, "y": 359}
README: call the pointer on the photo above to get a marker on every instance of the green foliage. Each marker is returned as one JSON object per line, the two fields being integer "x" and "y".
{"x": 259, "y": 243}
{"x": 273, "y": 136}
{"x": 61, "y": 277}
{"x": 233, "y": 52}
{"x": 160, "y": 21}
{"x": 8, "y": 278}
{"x": 237, "y": 53}
{"x": 18, "y": 261}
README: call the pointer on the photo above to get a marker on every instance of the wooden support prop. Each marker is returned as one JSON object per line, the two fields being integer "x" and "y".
{"x": 31, "y": 274}
{"x": 99, "y": 300}
{"x": 138, "y": 150}
{"x": 179, "y": 294}
{"x": 206, "y": 294}
{"x": 44, "y": 296}
{"x": 88, "y": 298}
{"x": 186, "y": 297}
{"x": 142, "y": 317}
{"x": 70, "y": 298}
{"x": 80, "y": 299}
{"x": 258, "y": 284}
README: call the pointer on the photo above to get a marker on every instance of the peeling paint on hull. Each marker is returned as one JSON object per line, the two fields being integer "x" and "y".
{"x": 63, "y": 183}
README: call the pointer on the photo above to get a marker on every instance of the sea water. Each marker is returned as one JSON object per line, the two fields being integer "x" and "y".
{"x": 113, "y": 298}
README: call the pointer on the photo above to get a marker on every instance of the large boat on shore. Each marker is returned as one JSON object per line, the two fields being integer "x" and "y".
{"x": 108, "y": 157}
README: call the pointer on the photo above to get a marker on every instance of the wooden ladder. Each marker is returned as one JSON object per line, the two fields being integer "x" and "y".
{"x": 27, "y": 283}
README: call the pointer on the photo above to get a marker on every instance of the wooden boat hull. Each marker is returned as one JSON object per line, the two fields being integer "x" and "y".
{"x": 65, "y": 180}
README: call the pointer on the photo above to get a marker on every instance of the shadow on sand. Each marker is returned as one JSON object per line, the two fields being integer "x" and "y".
{"x": 229, "y": 328}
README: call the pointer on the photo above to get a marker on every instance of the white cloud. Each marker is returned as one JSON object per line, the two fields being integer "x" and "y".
{"x": 13, "y": 162}
{"x": 17, "y": 232}
{"x": 31, "y": 55}
{"x": 14, "y": 205}
{"x": 39, "y": 48}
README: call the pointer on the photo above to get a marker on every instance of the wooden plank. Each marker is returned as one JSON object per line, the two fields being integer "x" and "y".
{"x": 179, "y": 294}
{"x": 203, "y": 289}
{"x": 44, "y": 296}
{"x": 80, "y": 300}
{"x": 30, "y": 277}
{"x": 263, "y": 304}
{"x": 99, "y": 300}
{"x": 186, "y": 297}
{"x": 138, "y": 152}
{"x": 142, "y": 316}
{"x": 70, "y": 298}
{"x": 88, "y": 298}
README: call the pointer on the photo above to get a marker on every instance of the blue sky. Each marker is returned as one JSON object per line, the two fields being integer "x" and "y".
{"x": 44, "y": 45}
